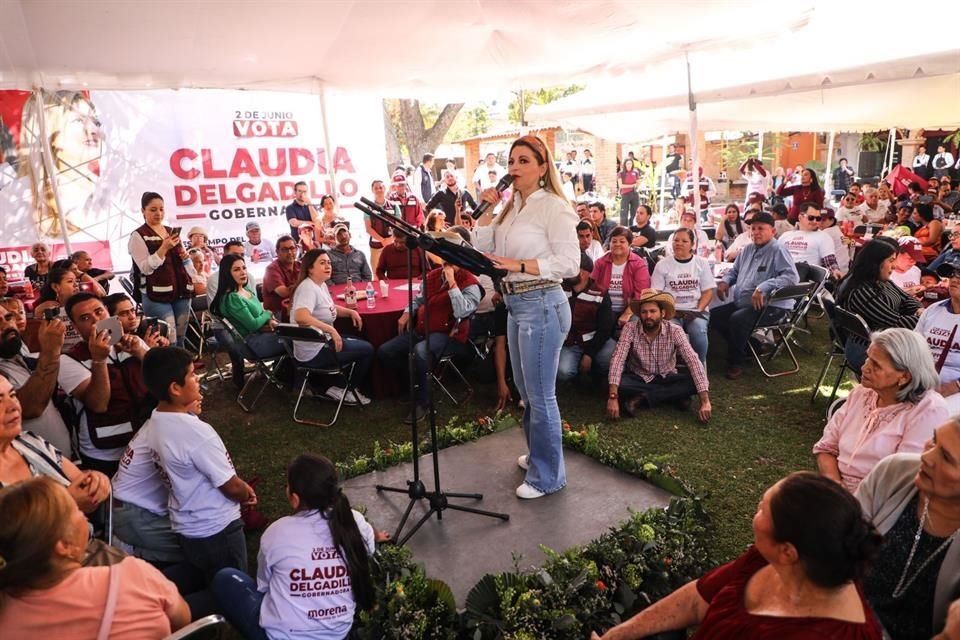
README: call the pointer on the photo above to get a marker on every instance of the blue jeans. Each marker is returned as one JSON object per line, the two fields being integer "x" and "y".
{"x": 354, "y": 350}
{"x": 176, "y": 314}
{"x": 239, "y": 601}
{"x": 536, "y": 328}
{"x": 697, "y": 329}
{"x": 395, "y": 349}
{"x": 571, "y": 356}
{"x": 264, "y": 345}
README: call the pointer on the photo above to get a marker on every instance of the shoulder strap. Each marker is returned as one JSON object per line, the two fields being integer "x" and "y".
{"x": 43, "y": 454}
{"x": 111, "y": 605}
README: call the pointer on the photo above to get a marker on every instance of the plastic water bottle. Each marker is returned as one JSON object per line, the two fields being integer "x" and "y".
{"x": 350, "y": 295}
{"x": 371, "y": 296}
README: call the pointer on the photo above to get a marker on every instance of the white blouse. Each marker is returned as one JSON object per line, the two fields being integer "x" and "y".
{"x": 545, "y": 230}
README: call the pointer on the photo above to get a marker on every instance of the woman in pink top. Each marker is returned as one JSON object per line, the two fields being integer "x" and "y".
{"x": 44, "y": 590}
{"x": 895, "y": 409}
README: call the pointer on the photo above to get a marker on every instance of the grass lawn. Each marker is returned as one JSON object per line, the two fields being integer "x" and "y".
{"x": 762, "y": 429}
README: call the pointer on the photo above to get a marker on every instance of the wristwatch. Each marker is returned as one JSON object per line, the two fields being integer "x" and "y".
{"x": 613, "y": 396}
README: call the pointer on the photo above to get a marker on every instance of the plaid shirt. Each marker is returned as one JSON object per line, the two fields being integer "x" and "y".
{"x": 649, "y": 359}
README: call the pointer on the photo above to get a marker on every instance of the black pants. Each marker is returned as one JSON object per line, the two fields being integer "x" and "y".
{"x": 736, "y": 325}
{"x": 227, "y": 548}
{"x": 662, "y": 390}
{"x": 106, "y": 467}
{"x": 628, "y": 207}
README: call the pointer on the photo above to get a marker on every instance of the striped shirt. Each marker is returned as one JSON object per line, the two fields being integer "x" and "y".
{"x": 883, "y": 305}
{"x": 658, "y": 357}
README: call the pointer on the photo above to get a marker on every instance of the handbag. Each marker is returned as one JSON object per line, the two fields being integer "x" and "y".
{"x": 110, "y": 607}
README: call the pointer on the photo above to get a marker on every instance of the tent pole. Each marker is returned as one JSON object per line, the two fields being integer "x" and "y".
{"x": 331, "y": 150}
{"x": 827, "y": 178}
{"x": 47, "y": 154}
{"x": 891, "y": 141}
{"x": 695, "y": 169}
{"x": 760, "y": 147}
{"x": 663, "y": 174}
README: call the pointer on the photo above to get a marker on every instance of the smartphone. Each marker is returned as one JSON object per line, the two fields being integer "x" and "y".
{"x": 112, "y": 327}
{"x": 51, "y": 313}
{"x": 176, "y": 231}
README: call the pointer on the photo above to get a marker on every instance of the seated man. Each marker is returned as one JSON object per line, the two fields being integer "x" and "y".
{"x": 452, "y": 295}
{"x": 84, "y": 264}
{"x": 644, "y": 364}
{"x": 589, "y": 345}
{"x": 598, "y": 213}
{"x": 348, "y": 262}
{"x": 106, "y": 385}
{"x": 589, "y": 246}
{"x": 808, "y": 244}
{"x": 35, "y": 379}
{"x": 872, "y": 210}
{"x": 4, "y": 286}
{"x": 759, "y": 270}
{"x": 255, "y": 248}
{"x": 122, "y": 308}
{"x": 392, "y": 264}
{"x": 280, "y": 279}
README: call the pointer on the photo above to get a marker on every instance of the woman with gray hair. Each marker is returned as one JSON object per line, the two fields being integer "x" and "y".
{"x": 894, "y": 409}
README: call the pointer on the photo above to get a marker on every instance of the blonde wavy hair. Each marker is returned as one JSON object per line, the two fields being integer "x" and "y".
{"x": 551, "y": 179}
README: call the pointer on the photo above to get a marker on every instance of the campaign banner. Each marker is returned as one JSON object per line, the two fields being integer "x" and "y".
{"x": 77, "y": 163}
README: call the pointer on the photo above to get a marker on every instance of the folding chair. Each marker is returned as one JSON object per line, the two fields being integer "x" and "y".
{"x": 845, "y": 328}
{"x": 265, "y": 367}
{"x": 817, "y": 275}
{"x": 782, "y": 324}
{"x": 446, "y": 362}
{"x": 290, "y": 333}
{"x": 198, "y": 628}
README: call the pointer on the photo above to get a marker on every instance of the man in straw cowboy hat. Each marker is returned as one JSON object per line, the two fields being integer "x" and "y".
{"x": 644, "y": 364}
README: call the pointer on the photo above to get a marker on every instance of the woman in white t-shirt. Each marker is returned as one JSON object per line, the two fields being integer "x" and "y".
{"x": 689, "y": 280}
{"x": 314, "y": 307}
{"x": 312, "y": 569}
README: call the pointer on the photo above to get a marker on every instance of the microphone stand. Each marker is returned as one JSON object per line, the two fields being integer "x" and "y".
{"x": 438, "y": 500}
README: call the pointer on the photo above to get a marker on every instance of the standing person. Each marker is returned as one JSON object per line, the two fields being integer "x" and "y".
{"x": 627, "y": 181}
{"x": 300, "y": 212}
{"x": 843, "y": 176}
{"x": 423, "y": 178}
{"x": 534, "y": 239}
{"x": 381, "y": 235}
{"x": 942, "y": 162}
{"x": 587, "y": 170}
{"x": 755, "y": 174}
{"x": 808, "y": 190}
{"x": 454, "y": 201}
{"x": 481, "y": 178}
{"x": 166, "y": 289}
{"x": 411, "y": 207}
{"x": 921, "y": 164}
{"x": 674, "y": 162}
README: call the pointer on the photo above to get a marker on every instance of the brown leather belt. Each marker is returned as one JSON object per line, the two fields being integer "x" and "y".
{"x": 524, "y": 286}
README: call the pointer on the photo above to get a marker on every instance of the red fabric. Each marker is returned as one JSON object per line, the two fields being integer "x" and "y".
{"x": 440, "y": 308}
{"x": 724, "y": 589}
{"x": 171, "y": 273}
{"x": 628, "y": 179}
{"x": 393, "y": 263}
{"x": 636, "y": 277}
{"x": 801, "y": 194}
{"x": 276, "y": 276}
{"x": 901, "y": 177}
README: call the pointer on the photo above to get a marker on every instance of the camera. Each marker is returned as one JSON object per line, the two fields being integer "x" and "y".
{"x": 51, "y": 313}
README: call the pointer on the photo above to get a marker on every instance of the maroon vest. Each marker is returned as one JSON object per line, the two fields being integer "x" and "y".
{"x": 437, "y": 298}
{"x": 169, "y": 281}
{"x": 584, "y": 309}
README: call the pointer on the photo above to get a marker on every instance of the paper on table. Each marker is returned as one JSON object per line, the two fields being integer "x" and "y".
{"x": 404, "y": 287}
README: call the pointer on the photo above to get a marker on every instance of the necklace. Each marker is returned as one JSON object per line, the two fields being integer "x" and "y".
{"x": 901, "y": 587}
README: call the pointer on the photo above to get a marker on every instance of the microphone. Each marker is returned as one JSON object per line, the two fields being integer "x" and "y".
{"x": 502, "y": 186}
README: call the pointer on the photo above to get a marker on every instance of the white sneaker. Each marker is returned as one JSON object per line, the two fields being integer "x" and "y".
{"x": 354, "y": 395}
{"x": 526, "y": 492}
{"x": 334, "y": 393}
{"x": 524, "y": 461}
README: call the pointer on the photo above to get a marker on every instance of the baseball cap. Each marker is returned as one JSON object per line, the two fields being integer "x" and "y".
{"x": 340, "y": 227}
{"x": 762, "y": 218}
{"x": 253, "y": 225}
{"x": 911, "y": 246}
{"x": 905, "y": 204}
{"x": 399, "y": 178}
{"x": 948, "y": 268}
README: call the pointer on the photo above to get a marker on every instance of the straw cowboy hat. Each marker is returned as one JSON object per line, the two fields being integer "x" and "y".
{"x": 662, "y": 298}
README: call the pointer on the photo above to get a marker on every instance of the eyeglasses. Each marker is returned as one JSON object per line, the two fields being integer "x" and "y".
{"x": 293, "y": 248}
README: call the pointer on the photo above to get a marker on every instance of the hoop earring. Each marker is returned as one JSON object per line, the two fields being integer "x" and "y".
{"x": 542, "y": 183}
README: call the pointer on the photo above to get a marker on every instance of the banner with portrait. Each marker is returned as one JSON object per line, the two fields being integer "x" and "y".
{"x": 75, "y": 163}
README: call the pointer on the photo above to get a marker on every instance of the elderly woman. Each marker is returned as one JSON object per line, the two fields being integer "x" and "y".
{"x": 811, "y": 543}
{"x": 914, "y": 501}
{"x": 46, "y": 589}
{"x": 37, "y": 273}
{"x": 895, "y": 408}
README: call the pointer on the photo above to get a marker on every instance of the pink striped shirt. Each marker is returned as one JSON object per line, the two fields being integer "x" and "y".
{"x": 658, "y": 357}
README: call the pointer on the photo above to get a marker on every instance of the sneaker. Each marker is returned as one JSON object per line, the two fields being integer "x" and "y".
{"x": 526, "y": 492}
{"x": 524, "y": 461}
{"x": 334, "y": 393}
{"x": 354, "y": 395}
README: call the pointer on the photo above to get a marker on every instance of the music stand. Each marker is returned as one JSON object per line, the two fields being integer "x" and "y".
{"x": 465, "y": 257}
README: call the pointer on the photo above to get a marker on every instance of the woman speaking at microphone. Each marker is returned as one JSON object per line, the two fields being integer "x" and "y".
{"x": 535, "y": 240}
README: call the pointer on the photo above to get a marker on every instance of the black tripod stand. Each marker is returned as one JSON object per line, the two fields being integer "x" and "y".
{"x": 472, "y": 260}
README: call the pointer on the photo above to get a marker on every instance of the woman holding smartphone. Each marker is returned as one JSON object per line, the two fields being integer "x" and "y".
{"x": 160, "y": 268}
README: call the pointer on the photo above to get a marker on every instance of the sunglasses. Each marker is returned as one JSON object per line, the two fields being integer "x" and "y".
{"x": 814, "y": 218}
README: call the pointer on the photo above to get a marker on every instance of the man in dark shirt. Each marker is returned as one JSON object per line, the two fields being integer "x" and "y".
{"x": 300, "y": 211}
{"x": 644, "y": 235}
{"x": 393, "y": 260}
{"x": 450, "y": 199}
{"x": 347, "y": 261}
{"x": 280, "y": 278}
{"x": 598, "y": 211}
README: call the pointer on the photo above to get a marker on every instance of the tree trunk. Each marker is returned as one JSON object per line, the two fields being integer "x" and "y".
{"x": 394, "y": 157}
{"x": 421, "y": 140}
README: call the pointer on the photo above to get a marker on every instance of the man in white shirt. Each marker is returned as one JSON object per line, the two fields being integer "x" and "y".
{"x": 255, "y": 248}
{"x": 872, "y": 210}
{"x": 481, "y": 180}
{"x": 921, "y": 164}
{"x": 906, "y": 273}
{"x": 807, "y": 244}
{"x": 588, "y": 245}
{"x": 942, "y": 162}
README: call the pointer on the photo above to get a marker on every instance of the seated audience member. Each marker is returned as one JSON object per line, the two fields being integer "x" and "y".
{"x": 644, "y": 364}
{"x": 781, "y": 220}
{"x": 313, "y": 306}
{"x": 199, "y": 278}
{"x": 808, "y": 245}
{"x": 799, "y": 579}
{"x": 847, "y": 211}
{"x": 644, "y": 235}
{"x": 929, "y": 231}
{"x": 621, "y": 274}
{"x": 37, "y": 272}
{"x": 122, "y": 308}
{"x": 605, "y": 225}
{"x": 280, "y": 278}
{"x": 871, "y": 211}
{"x": 84, "y": 281}
{"x": 329, "y": 221}
{"x": 205, "y": 491}
{"x": 255, "y": 248}
{"x": 581, "y": 281}
{"x": 730, "y": 227}
{"x": 950, "y": 254}
{"x": 583, "y": 211}
{"x": 44, "y": 585}
{"x": 759, "y": 270}
{"x": 436, "y": 222}
{"x": 393, "y": 260}
{"x": 348, "y": 261}
{"x": 235, "y": 303}
{"x": 743, "y": 240}
{"x": 224, "y": 339}
{"x": 828, "y": 224}
{"x": 914, "y": 501}
{"x": 936, "y": 325}
{"x": 701, "y": 243}
{"x": 895, "y": 408}
{"x": 587, "y": 236}
{"x": 933, "y": 289}
{"x": 690, "y": 281}
{"x": 84, "y": 264}
{"x": 589, "y": 344}
{"x": 452, "y": 295}
{"x": 903, "y": 216}
{"x": 106, "y": 385}
{"x": 947, "y": 198}
{"x": 35, "y": 379}
{"x": 490, "y": 320}
{"x": 15, "y": 306}
{"x": 24, "y": 455}
{"x": 4, "y": 285}
{"x": 308, "y": 240}
{"x": 61, "y": 285}
{"x": 197, "y": 237}
{"x": 906, "y": 273}
{"x": 321, "y": 519}
{"x": 869, "y": 292}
